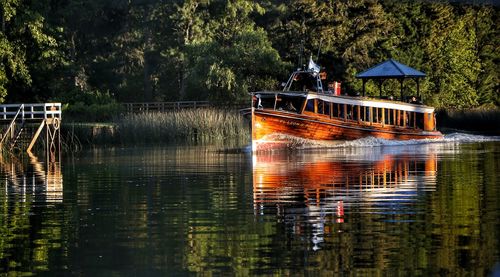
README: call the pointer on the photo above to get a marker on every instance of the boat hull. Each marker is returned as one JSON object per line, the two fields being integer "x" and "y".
{"x": 269, "y": 126}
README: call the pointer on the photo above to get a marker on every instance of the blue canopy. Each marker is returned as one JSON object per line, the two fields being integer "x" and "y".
{"x": 390, "y": 69}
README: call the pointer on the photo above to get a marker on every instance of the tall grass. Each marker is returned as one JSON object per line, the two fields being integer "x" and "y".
{"x": 477, "y": 121}
{"x": 200, "y": 125}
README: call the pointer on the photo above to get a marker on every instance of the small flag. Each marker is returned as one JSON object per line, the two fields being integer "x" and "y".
{"x": 313, "y": 66}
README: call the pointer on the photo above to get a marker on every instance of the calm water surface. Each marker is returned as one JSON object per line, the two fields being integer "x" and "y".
{"x": 409, "y": 210}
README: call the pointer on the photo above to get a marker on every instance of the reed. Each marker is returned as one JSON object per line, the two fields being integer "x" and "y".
{"x": 478, "y": 121}
{"x": 75, "y": 135}
{"x": 197, "y": 125}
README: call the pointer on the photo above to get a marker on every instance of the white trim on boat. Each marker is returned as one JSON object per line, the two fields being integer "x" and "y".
{"x": 366, "y": 102}
{"x": 372, "y": 103}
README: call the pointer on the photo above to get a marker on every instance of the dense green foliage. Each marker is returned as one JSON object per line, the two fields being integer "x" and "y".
{"x": 219, "y": 50}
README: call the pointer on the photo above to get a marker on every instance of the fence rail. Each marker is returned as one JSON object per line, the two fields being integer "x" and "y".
{"x": 164, "y": 106}
{"x": 37, "y": 111}
{"x": 168, "y": 106}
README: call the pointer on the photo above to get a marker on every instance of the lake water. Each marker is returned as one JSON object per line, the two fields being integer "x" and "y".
{"x": 368, "y": 207}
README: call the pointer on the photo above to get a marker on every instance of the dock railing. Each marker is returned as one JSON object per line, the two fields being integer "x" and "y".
{"x": 37, "y": 111}
{"x": 16, "y": 116}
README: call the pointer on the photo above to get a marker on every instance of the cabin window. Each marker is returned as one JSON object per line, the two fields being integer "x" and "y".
{"x": 364, "y": 114}
{"x": 264, "y": 101}
{"x": 355, "y": 112}
{"x": 411, "y": 119}
{"x": 327, "y": 108}
{"x": 310, "y": 105}
{"x": 420, "y": 120}
{"x": 387, "y": 116}
{"x": 343, "y": 111}
{"x": 349, "y": 109}
{"x": 335, "y": 110}
{"x": 290, "y": 104}
{"x": 321, "y": 106}
{"x": 378, "y": 115}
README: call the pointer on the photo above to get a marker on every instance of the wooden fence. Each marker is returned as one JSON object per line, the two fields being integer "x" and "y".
{"x": 144, "y": 107}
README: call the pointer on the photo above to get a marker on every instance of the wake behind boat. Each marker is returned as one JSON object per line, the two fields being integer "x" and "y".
{"x": 304, "y": 109}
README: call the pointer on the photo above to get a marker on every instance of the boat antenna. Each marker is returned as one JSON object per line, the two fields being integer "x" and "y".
{"x": 300, "y": 53}
{"x": 319, "y": 49}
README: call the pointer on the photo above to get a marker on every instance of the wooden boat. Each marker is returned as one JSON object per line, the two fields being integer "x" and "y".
{"x": 304, "y": 109}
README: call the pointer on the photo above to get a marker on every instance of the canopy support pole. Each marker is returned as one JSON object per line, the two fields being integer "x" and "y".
{"x": 380, "y": 83}
{"x": 401, "y": 82}
{"x": 364, "y": 83}
{"x": 418, "y": 88}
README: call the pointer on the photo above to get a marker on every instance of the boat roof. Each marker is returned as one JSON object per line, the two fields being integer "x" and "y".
{"x": 370, "y": 102}
{"x": 354, "y": 100}
{"x": 390, "y": 69}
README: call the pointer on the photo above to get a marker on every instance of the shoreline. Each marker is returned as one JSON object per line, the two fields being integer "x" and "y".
{"x": 217, "y": 125}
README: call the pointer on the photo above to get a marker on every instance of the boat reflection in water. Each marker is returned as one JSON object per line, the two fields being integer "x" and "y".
{"x": 315, "y": 191}
{"x": 32, "y": 180}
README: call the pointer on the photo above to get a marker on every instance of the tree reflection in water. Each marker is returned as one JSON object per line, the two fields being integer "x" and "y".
{"x": 28, "y": 185}
{"x": 426, "y": 209}
{"x": 382, "y": 208}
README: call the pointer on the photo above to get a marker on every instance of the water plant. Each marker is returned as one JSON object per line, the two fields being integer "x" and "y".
{"x": 199, "y": 125}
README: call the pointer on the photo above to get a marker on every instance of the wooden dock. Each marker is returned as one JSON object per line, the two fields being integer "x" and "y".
{"x": 25, "y": 122}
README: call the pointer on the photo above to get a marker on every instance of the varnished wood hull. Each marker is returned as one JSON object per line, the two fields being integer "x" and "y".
{"x": 267, "y": 124}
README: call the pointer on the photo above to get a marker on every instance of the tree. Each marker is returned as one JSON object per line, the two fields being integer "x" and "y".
{"x": 222, "y": 54}
{"x": 26, "y": 46}
{"x": 486, "y": 27}
{"x": 189, "y": 29}
{"x": 454, "y": 66}
{"x": 346, "y": 33}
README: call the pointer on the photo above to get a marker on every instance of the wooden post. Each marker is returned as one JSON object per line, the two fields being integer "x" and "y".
{"x": 359, "y": 112}
{"x": 383, "y": 117}
{"x": 35, "y": 137}
{"x": 370, "y": 115}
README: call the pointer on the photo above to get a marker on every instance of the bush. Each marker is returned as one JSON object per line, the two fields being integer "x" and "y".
{"x": 81, "y": 112}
